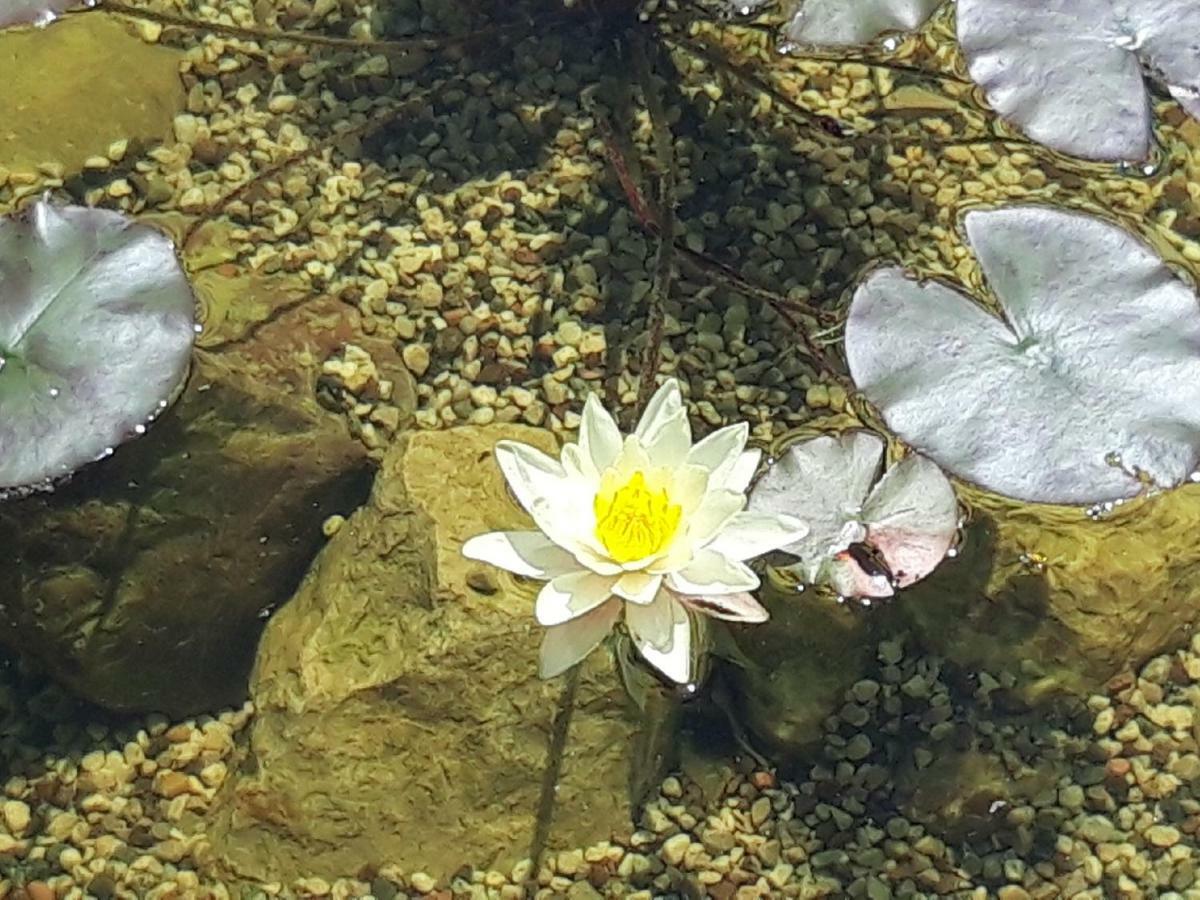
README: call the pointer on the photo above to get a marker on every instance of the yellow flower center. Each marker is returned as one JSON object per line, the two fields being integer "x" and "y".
{"x": 632, "y": 521}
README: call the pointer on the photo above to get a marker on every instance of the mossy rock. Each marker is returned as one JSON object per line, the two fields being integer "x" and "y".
{"x": 400, "y": 717}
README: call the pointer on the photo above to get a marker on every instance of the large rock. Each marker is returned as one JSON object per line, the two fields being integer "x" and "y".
{"x": 400, "y": 718}
{"x": 792, "y": 673}
{"x": 143, "y": 583}
{"x": 1061, "y": 601}
{"x": 107, "y": 85}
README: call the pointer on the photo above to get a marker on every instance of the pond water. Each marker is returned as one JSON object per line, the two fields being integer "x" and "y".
{"x": 245, "y": 654}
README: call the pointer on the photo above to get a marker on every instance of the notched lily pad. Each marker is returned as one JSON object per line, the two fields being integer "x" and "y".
{"x": 869, "y": 535}
{"x": 1069, "y": 73}
{"x": 96, "y": 330}
{"x": 847, "y": 22}
{"x": 1088, "y": 388}
{"x": 36, "y": 12}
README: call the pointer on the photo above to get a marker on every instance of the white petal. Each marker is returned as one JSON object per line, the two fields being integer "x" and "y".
{"x": 711, "y": 573}
{"x": 593, "y": 558}
{"x": 716, "y": 511}
{"x": 743, "y": 471}
{"x": 676, "y": 662}
{"x": 565, "y": 645}
{"x": 528, "y": 553}
{"x": 750, "y": 534}
{"x": 637, "y": 587}
{"x": 599, "y": 438}
{"x": 739, "y": 607}
{"x": 571, "y": 595}
{"x": 540, "y": 484}
{"x": 651, "y": 623}
{"x": 720, "y": 453}
{"x": 576, "y": 464}
{"x": 666, "y": 403}
{"x": 911, "y": 518}
{"x": 668, "y": 445}
{"x": 846, "y": 22}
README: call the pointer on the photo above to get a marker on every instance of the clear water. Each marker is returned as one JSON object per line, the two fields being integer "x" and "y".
{"x": 244, "y": 655}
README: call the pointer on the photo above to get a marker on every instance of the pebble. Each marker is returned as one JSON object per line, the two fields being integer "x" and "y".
{"x": 17, "y": 817}
{"x": 416, "y": 358}
{"x": 674, "y": 848}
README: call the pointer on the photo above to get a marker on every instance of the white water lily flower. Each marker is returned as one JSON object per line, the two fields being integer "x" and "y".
{"x": 650, "y": 527}
{"x": 903, "y": 522}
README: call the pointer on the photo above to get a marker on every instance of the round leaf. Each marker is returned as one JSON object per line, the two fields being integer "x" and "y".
{"x": 1089, "y": 383}
{"x": 847, "y": 22}
{"x": 907, "y": 518}
{"x": 35, "y": 12}
{"x": 96, "y": 330}
{"x": 1069, "y": 72}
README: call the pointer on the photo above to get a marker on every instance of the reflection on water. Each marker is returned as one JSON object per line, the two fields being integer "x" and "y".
{"x": 407, "y": 251}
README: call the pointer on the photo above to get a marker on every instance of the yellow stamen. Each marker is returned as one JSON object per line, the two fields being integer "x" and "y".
{"x": 633, "y": 522}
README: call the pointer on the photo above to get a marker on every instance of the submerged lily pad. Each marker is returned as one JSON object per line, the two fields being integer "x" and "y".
{"x": 845, "y": 22}
{"x": 1085, "y": 391}
{"x": 96, "y": 330}
{"x": 1069, "y": 73}
{"x": 36, "y": 12}
{"x": 869, "y": 535}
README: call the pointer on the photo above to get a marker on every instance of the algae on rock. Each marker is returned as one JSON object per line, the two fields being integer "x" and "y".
{"x": 1062, "y": 600}
{"x": 400, "y": 717}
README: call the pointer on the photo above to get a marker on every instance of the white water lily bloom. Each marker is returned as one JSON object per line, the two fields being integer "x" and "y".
{"x": 650, "y": 527}
{"x": 904, "y": 521}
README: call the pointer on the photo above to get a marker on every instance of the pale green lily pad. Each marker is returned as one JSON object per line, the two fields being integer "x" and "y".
{"x": 1086, "y": 390}
{"x": 36, "y": 12}
{"x": 96, "y": 329}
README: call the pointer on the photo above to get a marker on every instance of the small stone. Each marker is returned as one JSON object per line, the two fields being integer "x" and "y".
{"x": 1071, "y": 797}
{"x": 675, "y": 847}
{"x": 416, "y": 357}
{"x": 891, "y": 652}
{"x": 1163, "y": 835}
{"x": 422, "y": 882}
{"x": 16, "y": 817}
{"x": 569, "y": 862}
{"x": 332, "y": 525}
{"x": 817, "y": 396}
{"x": 865, "y": 691}
{"x": 858, "y": 747}
{"x": 760, "y": 811}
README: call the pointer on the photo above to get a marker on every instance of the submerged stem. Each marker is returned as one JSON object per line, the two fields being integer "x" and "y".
{"x": 664, "y": 151}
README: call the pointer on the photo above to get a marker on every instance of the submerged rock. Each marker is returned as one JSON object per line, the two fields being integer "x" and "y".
{"x": 793, "y": 672}
{"x": 144, "y": 583}
{"x": 400, "y": 717}
{"x": 1062, "y": 600}
{"x": 108, "y": 86}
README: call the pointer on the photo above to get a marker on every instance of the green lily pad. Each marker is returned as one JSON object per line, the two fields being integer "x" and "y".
{"x": 97, "y": 321}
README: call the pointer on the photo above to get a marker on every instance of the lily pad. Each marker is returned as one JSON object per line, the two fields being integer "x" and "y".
{"x": 869, "y": 535}
{"x": 96, "y": 330}
{"x": 1086, "y": 390}
{"x": 1069, "y": 73}
{"x": 36, "y": 12}
{"x": 847, "y": 22}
